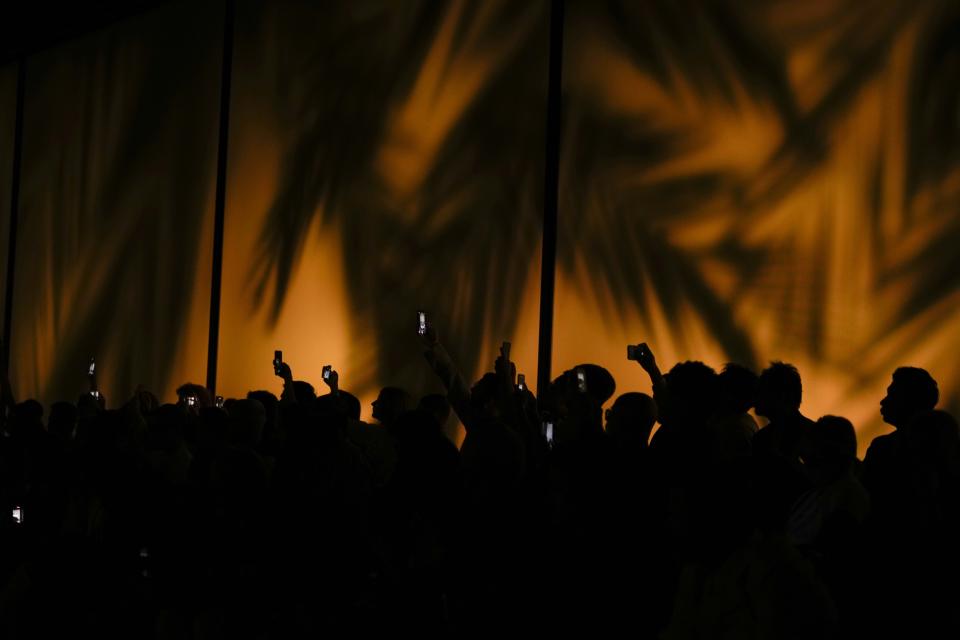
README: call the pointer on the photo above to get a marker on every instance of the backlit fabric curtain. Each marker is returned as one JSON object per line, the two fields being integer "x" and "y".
{"x": 752, "y": 181}
{"x": 385, "y": 157}
{"x": 113, "y": 256}
{"x": 741, "y": 181}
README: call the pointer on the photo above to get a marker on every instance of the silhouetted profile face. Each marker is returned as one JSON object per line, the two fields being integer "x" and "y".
{"x": 911, "y": 392}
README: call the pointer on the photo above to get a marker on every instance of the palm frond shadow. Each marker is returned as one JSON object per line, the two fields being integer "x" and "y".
{"x": 138, "y": 314}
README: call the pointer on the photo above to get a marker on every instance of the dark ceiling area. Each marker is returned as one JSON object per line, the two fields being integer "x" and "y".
{"x": 34, "y": 26}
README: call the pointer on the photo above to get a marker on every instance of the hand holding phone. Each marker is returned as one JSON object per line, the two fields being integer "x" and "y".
{"x": 92, "y": 378}
{"x": 219, "y": 402}
{"x": 641, "y": 353}
{"x": 326, "y": 372}
{"x": 421, "y": 323}
{"x": 581, "y": 380}
{"x": 521, "y": 382}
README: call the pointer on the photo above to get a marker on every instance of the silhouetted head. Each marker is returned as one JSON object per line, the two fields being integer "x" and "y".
{"x": 27, "y": 418}
{"x": 737, "y": 388}
{"x": 270, "y": 404}
{"x": 912, "y": 392}
{"x": 438, "y": 405}
{"x": 199, "y": 392}
{"x": 691, "y": 393}
{"x": 146, "y": 401}
{"x": 779, "y": 391}
{"x": 834, "y": 443}
{"x": 247, "y": 419}
{"x": 349, "y": 404}
{"x": 304, "y": 392}
{"x": 600, "y": 384}
{"x": 391, "y": 402}
{"x": 631, "y": 418}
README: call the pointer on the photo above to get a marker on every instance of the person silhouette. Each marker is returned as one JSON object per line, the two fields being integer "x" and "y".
{"x": 911, "y": 393}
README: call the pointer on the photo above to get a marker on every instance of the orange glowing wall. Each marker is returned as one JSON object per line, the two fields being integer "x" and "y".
{"x": 779, "y": 183}
{"x": 773, "y": 184}
{"x": 115, "y": 222}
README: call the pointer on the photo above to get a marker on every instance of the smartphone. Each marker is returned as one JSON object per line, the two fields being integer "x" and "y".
{"x": 326, "y": 371}
{"x": 636, "y": 351}
{"x": 191, "y": 401}
{"x": 17, "y": 515}
{"x": 548, "y": 432}
{"x": 95, "y": 394}
{"x": 521, "y": 382}
{"x": 277, "y": 360}
{"x": 92, "y": 369}
{"x": 219, "y": 402}
{"x": 581, "y": 380}
{"x": 421, "y": 323}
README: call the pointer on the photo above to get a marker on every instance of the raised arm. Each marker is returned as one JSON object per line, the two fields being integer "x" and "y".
{"x": 646, "y": 359}
{"x": 458, "y": 393}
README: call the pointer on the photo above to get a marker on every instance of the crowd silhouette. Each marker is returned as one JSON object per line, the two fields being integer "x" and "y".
{"x": 276, "y": 517}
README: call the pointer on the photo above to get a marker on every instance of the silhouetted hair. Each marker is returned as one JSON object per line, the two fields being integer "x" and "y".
{"x": 600, "y": 383}
{"x": 28, "y": 411}
{"x": 247, "y": 418}
{"x": 304, "y": 391}
{"x": 835, "y": 439}
{"x": 268, "y": 400}
{"x": 201, "y": 393}
{"x": 692, "y": 388}
{"x": 636, "y": 408}
{"x": 918, "y": 387}
{"x": 349, "y": 404}
{"x": 737, "y": 387}
{"x": 783, "y": 380}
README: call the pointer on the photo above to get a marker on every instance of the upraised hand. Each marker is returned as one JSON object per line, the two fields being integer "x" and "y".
{"x": 504, "y": 368}
{"x": 332, "y": 380}
{"x": 646, "y": 358}
{"x": 283, "y": 371}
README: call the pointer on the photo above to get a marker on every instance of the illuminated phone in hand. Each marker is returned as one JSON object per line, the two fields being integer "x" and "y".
{"x": 521, "y": 382}
{"x": 421, "y": 323}
{"x": 326, "y": 371}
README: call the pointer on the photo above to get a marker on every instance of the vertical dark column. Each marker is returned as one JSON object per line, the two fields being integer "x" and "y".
{"x": 14, "y": 210}
{"x": 548, "y": 266}
{"x": 227, "y": 68}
